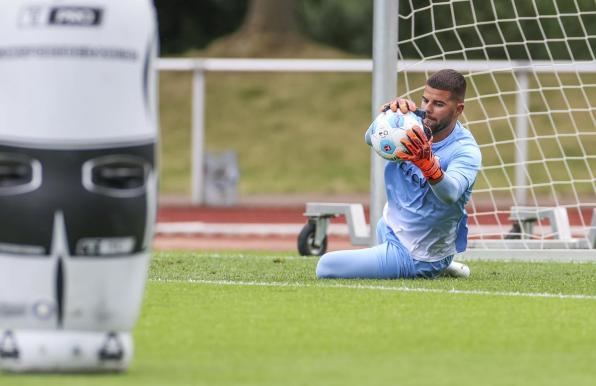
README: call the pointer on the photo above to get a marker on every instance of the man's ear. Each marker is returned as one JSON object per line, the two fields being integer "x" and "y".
{"x": 460, "y": 108}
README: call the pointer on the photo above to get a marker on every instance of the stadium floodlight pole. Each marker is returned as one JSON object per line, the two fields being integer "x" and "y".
{"x": 384, "y": 87}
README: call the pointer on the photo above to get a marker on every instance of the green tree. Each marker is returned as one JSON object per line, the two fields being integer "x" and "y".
{"x": 345, "y": 24}
{"x": 185, "y": 25}
{"x": 270, "y": 29}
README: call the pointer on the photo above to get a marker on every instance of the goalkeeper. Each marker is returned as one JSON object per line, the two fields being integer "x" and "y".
{"x": 424, "y": 222}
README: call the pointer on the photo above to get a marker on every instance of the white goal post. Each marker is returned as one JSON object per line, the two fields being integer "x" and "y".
{"x": 530, "y": 67}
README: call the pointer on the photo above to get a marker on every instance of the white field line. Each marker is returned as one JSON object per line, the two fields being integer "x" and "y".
{"x": 240, "y": 255}
{"x": 505, "y": 256}
{"x": 452, "y": 291}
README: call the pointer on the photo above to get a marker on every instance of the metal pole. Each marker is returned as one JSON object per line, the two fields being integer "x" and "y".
{"x": 521, "y": 132}
{"x": 198, "y": 135}
{"x": 384, "y": 88}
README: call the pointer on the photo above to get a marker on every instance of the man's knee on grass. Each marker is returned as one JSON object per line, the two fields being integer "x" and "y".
{"x": 326, "y": 267}
{"x": 349, "y": 264}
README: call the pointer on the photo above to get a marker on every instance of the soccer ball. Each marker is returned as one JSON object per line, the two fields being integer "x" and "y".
{"x": 388, "y": 129}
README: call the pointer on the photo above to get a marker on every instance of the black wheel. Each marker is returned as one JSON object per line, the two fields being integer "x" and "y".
{"x": 306, "y": 240}
{"x": 515, "y": 232}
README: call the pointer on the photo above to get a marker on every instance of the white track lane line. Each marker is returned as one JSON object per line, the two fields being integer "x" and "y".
{"x": 380, "y": 288}
{"x": 292, "y": 229}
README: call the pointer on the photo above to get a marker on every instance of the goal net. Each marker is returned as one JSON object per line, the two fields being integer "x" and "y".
{"x": 530, "y": 66}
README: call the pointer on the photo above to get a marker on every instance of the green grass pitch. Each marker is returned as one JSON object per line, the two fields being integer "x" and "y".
{"x": 262, "y": 319}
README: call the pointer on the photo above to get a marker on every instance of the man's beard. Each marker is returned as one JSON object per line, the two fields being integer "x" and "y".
{"x": 437, "y": 126}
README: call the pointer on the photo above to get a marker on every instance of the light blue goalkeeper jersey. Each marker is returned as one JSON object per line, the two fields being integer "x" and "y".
{"x": 428, "y": 227}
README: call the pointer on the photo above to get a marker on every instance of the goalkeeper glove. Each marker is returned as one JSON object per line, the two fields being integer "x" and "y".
{"x": 421, "y": 154}
{"x": 404, "y": 105}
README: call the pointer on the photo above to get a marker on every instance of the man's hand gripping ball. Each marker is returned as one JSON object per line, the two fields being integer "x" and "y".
{"x": 421, "y": 154}
{"x": 404, "y": 105}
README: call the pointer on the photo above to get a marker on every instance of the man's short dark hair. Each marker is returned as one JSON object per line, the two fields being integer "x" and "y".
{"x": 449, "y": 80}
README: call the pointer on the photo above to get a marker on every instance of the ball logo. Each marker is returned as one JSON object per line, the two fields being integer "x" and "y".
{"x": 387, "y": 146}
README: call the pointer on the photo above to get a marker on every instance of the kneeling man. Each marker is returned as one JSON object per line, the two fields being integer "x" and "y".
{"x": 424, "y": 222}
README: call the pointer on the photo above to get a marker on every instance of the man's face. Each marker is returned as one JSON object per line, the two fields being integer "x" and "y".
{"x": 442, "y": 110}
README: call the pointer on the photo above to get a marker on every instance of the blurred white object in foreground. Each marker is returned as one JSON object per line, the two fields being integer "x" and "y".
{"x": 78, "y": 180}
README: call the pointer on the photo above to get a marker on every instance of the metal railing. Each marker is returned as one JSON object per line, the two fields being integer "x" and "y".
{"x": 200, "y": 66}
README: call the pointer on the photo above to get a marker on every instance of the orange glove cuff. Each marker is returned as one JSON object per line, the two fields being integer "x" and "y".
{"x": 430, "y": 168}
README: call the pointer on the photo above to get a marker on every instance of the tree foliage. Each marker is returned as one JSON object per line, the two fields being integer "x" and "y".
{"x": 185, "y": 25}
{"x": 345, "y": 24}
{"x": 502, "y": 27}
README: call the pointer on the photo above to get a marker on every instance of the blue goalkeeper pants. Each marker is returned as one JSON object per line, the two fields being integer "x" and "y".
{"x": 388, "y": 260}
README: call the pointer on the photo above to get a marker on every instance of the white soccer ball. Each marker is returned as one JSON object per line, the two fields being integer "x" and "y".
{"x": 388, "y": 129}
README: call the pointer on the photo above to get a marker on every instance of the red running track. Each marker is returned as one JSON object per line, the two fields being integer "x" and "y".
{"x": 277, "y": 215}
{"x": 274, "y": 215}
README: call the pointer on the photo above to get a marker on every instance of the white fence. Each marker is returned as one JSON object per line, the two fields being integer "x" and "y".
{"x": 200, "y": 66}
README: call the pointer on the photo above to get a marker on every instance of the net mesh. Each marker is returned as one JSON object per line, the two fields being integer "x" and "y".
{"x": 531, "y": 72}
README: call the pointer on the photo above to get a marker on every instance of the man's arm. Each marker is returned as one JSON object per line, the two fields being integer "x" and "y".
{"x": 460, "y": 175}
{"x": 449, "y": 189}
{"x": 447, "y": 186}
